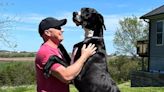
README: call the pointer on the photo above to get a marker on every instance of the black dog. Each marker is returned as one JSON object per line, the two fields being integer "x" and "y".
{"x": 94, "y": 76}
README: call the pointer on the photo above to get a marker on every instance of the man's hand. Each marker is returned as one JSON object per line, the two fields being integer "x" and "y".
{"x": 88, "y": 51}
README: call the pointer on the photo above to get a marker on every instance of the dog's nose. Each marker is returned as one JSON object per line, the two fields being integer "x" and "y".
{"x": 75, "y": 13}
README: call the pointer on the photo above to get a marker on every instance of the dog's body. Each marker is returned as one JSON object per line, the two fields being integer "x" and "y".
{"x": 94, "y": 76}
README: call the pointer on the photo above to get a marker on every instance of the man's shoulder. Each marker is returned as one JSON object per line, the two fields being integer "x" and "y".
{"x": 43, "y": 49}
{"x": 46, "y": 50}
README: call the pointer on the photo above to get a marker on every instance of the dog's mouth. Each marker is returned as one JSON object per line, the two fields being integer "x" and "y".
{"x": 77, "y": 18}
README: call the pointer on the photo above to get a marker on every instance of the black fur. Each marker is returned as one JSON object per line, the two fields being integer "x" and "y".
{"x": 94, "y": 76}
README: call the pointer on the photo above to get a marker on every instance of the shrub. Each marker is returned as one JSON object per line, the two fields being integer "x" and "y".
{"x": 120, "y": 67}
{"x": 17, "y": 73}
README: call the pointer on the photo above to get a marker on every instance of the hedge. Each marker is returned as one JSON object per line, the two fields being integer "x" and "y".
{"x": 17, "y": 73}
{"x": 23, "y": 73}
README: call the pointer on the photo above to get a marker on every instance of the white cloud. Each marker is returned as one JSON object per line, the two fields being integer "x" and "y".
{"x": 25, "y": 28}
{"x": 30, "y": 21}
{"x": 122, "y": 5}
{"x": 30, "y": 18}
{"x": 111, "y": 21}
{"x": 68, "y": 15}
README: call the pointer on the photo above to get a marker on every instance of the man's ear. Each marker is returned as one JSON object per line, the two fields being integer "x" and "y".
{"x": 48, "y": 33}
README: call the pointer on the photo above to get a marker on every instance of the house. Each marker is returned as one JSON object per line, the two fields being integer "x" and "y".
{"x": 154, "y": 76}
{"x": 156, "y": 39}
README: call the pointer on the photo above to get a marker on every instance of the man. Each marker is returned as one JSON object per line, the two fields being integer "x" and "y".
{"x": 60, "y": 76}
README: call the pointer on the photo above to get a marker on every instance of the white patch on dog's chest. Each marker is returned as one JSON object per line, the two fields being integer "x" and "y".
{"x": 88, "y": 33}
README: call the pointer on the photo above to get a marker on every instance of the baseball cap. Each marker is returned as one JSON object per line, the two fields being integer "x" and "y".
{"x": 50, "y": 22}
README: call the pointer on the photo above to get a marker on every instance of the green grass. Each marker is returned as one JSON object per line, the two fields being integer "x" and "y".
{"x": 125, "y": 87}
{"x": 30, "y": 88}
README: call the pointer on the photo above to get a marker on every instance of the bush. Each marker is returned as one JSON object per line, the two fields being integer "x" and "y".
{"x": 17, "y": 73}
{"x": 23, "y": 73}
{"x": 120, "y": 67}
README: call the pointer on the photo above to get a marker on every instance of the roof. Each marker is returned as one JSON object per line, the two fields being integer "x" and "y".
{"x": 157, "y": 11}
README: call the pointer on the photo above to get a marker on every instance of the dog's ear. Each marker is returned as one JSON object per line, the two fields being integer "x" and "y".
{"x": 101, "y": 19}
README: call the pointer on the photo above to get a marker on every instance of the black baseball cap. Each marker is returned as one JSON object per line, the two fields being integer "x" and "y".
{"x": 50, "y": 22}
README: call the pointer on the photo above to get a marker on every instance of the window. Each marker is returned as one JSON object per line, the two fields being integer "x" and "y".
{"x": 160, "y": 30}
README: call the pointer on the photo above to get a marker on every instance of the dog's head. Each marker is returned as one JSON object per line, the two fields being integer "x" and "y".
{"x": 89, "y": 18}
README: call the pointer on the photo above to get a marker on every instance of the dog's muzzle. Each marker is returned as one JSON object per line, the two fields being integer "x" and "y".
{"x": 77, "y": 18}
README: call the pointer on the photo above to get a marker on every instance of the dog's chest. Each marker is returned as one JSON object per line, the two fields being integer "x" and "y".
{"x": 77, "y": 52}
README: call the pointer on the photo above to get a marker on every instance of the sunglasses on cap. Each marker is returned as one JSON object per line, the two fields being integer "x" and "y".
{"x": 59, "y": 28}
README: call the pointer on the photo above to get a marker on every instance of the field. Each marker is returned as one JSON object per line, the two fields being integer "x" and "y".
{"x": 17, "y": 59}
{"x": 125, "y": 87}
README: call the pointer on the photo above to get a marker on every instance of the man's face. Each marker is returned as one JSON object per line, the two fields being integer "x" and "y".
{"x": 56, "y": 34}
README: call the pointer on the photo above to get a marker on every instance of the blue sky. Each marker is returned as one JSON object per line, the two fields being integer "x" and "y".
{"x": 28, "y": 13}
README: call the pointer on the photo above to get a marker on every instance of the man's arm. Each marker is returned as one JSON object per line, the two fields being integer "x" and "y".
{"x": 66, "y": 74}
{"x": 51, "y": 61}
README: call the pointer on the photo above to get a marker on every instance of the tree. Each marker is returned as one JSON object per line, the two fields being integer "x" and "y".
{"x": 6, "y": 25}
{"x": 130, "y": 30}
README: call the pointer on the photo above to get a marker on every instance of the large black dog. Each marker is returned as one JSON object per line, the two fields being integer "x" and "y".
{"x": 94, "y": 76}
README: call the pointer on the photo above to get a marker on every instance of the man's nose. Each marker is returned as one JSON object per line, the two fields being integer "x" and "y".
{"x": 62, "y": 30}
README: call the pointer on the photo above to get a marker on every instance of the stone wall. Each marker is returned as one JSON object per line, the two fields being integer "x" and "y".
{"x": 146, "y": 79}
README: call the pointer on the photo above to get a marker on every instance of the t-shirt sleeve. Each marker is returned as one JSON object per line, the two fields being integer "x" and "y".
{"x": 44, "y": 56}
{"x": 55, "y": 66}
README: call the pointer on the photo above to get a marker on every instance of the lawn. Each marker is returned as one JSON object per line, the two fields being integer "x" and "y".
{"x": 26, "y": 88}
{"x": 125, "y": 87}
